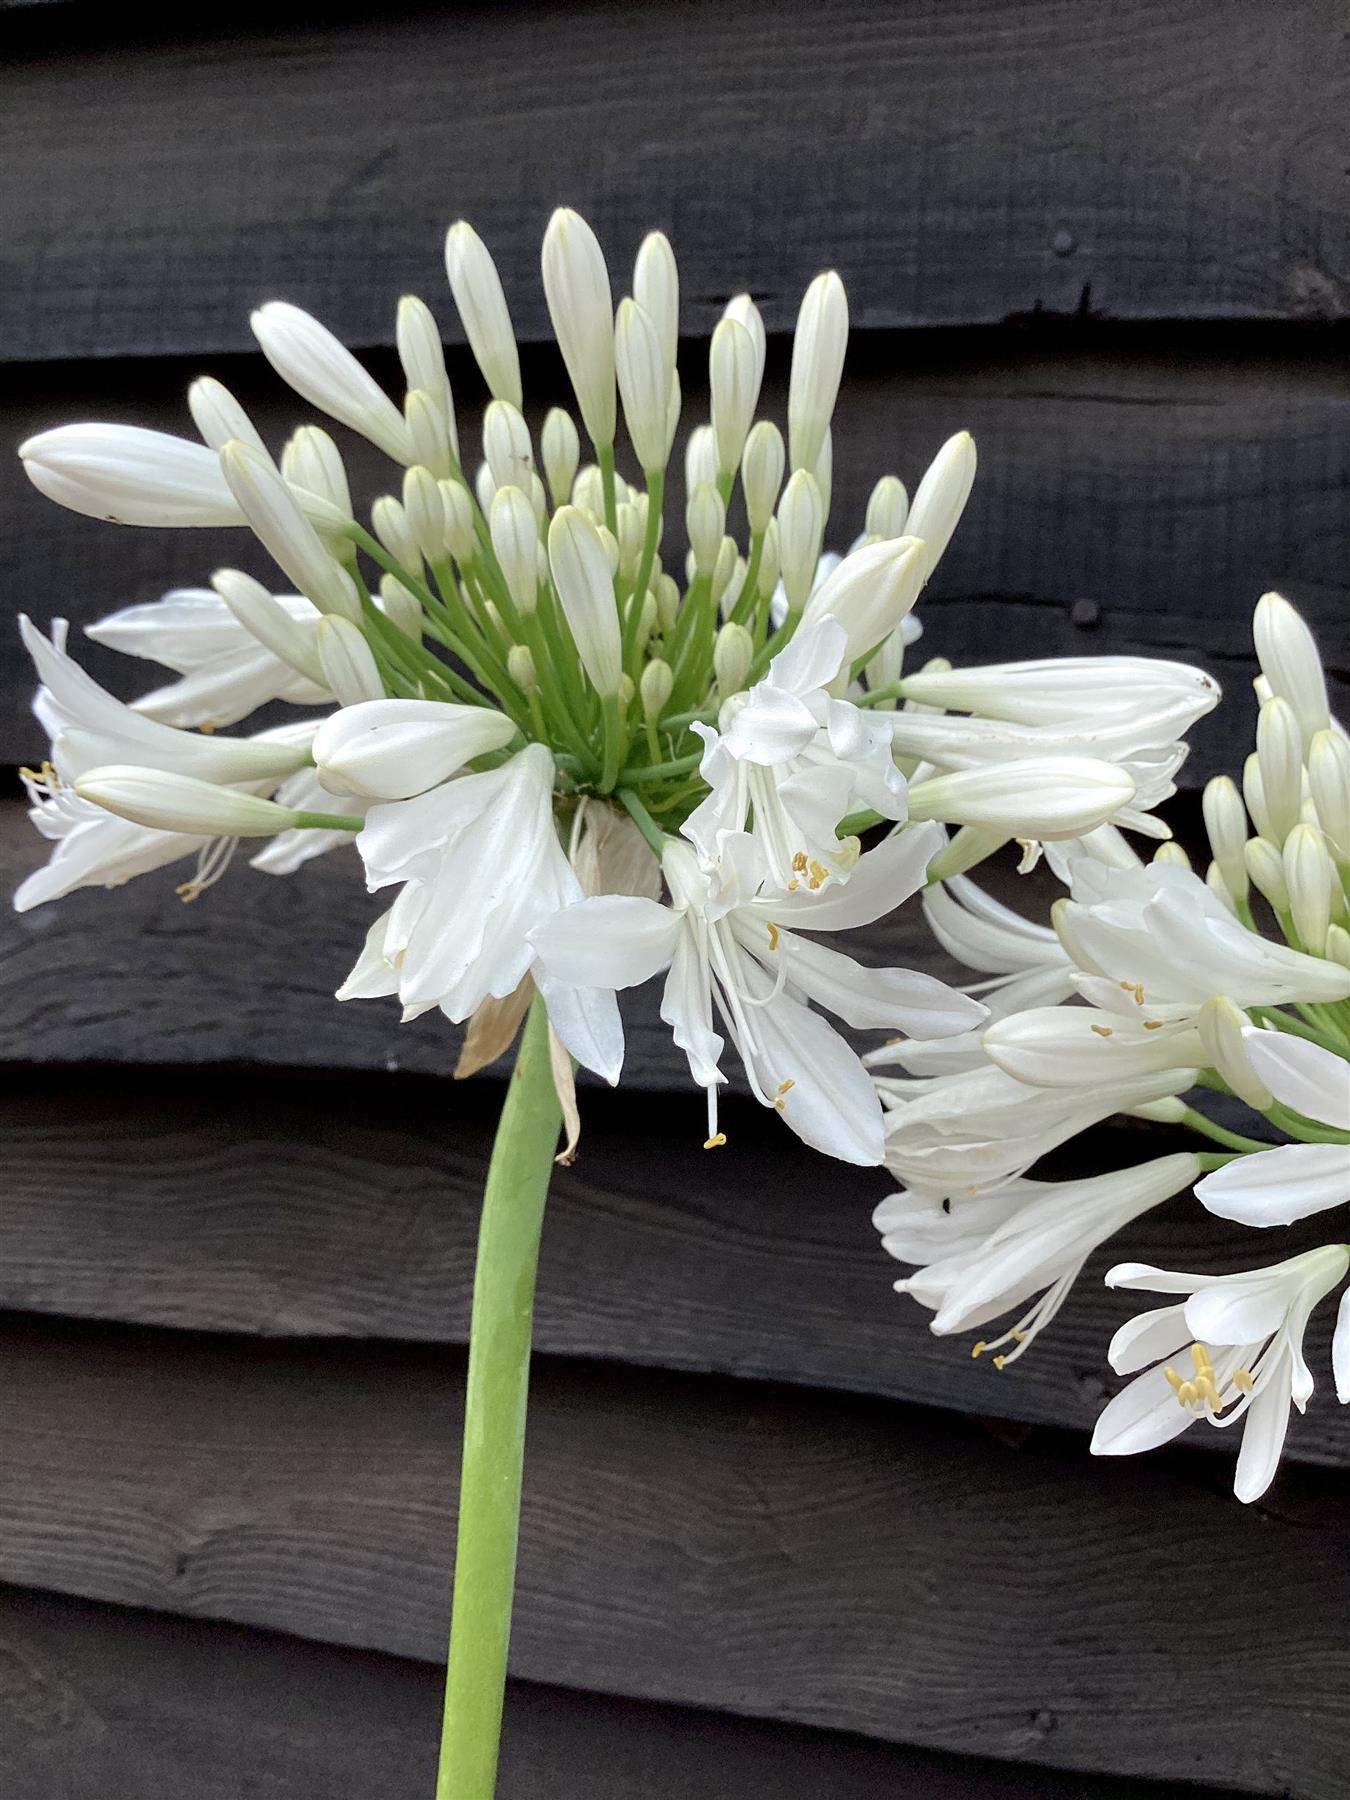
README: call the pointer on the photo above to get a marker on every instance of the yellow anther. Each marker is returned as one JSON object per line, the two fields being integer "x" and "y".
{"x": 1200, "y": 1357}
{"x": 1188, "y": 1393}
{"x": 1153, "y": 1024}
{"x": 1136, "y": 988}
{"x": 207, "y": 727}
{"x": 773, "y": 936}
{"x": 1101, "y": 1030}
{"x": 783, "y": 1086}
{"x": 1244, "y": 1379}
{"x": 799, "y": 862}
{"x": 978, "y": 1350}
{"x": 716, "y": 1141}
{"x": 819, "y": 875}
{"x": 188, "y": 891}
{"x": 1173, "y": 1378}
{"x": 1018, "y": 1337}
{"x": 793, "y": 885}
{"x": 999, "y": 1362}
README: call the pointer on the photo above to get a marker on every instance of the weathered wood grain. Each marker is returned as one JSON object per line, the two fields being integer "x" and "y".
{"x": 323, "y": 1208}
{"x": 1134, "y": 496}
{"x": 836, "y": 1563}
{"x": 99, "y": 1701}
{"x": 956, "y": 165}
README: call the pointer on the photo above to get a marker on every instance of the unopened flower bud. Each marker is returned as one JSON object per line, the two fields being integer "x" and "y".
{"x": 265, "y": 618}
{"x": 655, "y": 688}
{"x": 422, "y": 355}
{"x": 130, "y": 476}
{"x": 733, "y": 653}
{"x": 673, "y": 403}
{"x": 770, "y": 566}
{"x": 818, "y": 347}
{"x": 588, "y": 492}
{"x": 700, "y": 459}
{"x": 583, "y": 578}
{"x": 1288, "y": 656}
{"x": 273, "y": 512}
{"x": 1218, "y": 886}
{"x": 1226, "y": 824}
{"x": 705, "y": 521}
{"x": 644, "y": 383}
{"x": 219, "y": 416}
{"x": 724, "y": 568}
{"x": 312, "y": 461}
{"x": 734, "y": 372}
{"x": 348, "y": 664}
{"x": 887, "y": 508}
{"x": 1266, "y": 869}
{"x": 870, "y": 592}
{"x": 576, "y": 286}
{"x": 484, "y": 487}
{"x": 515, "y": 541}
{"x": 483, "y": 311}
{"x": 743, "y": 311}
{"x": 801, "y": 524}
{"x": 390, "y": 524}
{"x": 627, "y": 691}
{"x": 1279, "y": 755}
{"x": 400, "y": 607}
{"x": 667, "y": 591}
{"x": 433, "y": 445}
{"x": 170, "y": 802}
{"x": 762, "y": 467}
{"x": 425, "y": 511}
{"x": 1221, "y": 1025}
{"x": 631, "y": 520}
{"x": 610, "y": 545}
{"x": 1172, "y": 854}
{"x": 506, "y": 445}
{"x": 1253, "y": 795}
{"x": 1039, "y": 797}
{"x": 560, "y": 451}
{"x": 1337, "y": 947}
{"x": 324, "y": 372}
{"x": 656, "y": 288}
{"x": 1308, "y": 875}
{"x": 646, "y": 618}
{"x": 460, "y": 538}
{"x": 1329, "y": 782}
{"x": 941, "y": 497}
{"x": 520, "y": 667}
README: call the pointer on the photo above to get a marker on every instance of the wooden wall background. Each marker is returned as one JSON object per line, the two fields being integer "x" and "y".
{"x": 777, "y": 1539}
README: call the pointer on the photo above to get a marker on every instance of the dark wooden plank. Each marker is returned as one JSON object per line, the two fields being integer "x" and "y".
{"x": 100, "y": 1701}
{"x": 835, "y": 1563}
{"x": 1164, "y": 482}
{"x": 956, "y": 166}
{"x": 315, "y": 1209}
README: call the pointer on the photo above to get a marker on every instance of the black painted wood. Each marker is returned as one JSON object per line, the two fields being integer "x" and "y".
{"x": 325, "y": 1208}
{"x": 1136, "y": 493}
{"x": 838, "y": 1563}
{"x": 107, "y": 1703}
{"x": 957, "y": 165}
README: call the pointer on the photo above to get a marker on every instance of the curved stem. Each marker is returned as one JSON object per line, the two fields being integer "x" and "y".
{"x": 1220, "y": 1134}
{"x": 494, "y": 1419}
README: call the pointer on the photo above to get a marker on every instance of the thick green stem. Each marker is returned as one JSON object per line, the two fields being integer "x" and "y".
{"x": 494, "y": 1420}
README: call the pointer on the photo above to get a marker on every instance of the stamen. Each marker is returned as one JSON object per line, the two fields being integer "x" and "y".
{"x": 1136, "y": 988}
{"x": 819, "y": 876}
{"x": 1244, "y": 1379}
{"x": 799, "y": 863}
{"x": 1153, "y": 1024}
{"x": 773, "y": 936}
{"x": 1101, "y": 1030}
{"x": 716, "y": 1141}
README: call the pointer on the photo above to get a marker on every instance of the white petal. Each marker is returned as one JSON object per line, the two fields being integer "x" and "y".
{"x": 832, "y": 1104}
{"x": 811, "y": 660}
{"x": 882, "y": 999}
{"x": 1275, "y": 1187}
{"x": 686, "y": 1006}
{"x": 587, "y": 1020}
{"x": 1142, "y": 1416}
{"x": 1237, "y": 1311}
{"x": 1263, "y": 1434}
{"x": 610, "y": 941}
{"x": 881, "y": 880}
{"x": 1147, "y": 1337}
{"x": 772, "y": 727}
{"x": 1340, "y": 1349}
{"x": 1312, "y": 1080}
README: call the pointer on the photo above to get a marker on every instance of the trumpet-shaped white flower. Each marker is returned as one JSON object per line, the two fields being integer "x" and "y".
{"x": 393, "y": 749}
{"x": 1246, "y": 1358}
{"x": 989, "y": 1253}
{"x": 91, "y": 847}
{"x": 1154, "y": 942}
{"x": 89, "y": 726}
{"x": 798, "y": 761}
{"x": 225, "y": 672}
{"x": 744, "y": 959}
{"x": 130, "y": 476}
{"x": 480, "y": 866}
{"x": 974, "y": 1129}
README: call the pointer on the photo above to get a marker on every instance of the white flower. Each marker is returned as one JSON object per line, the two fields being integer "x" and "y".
{"x": 985, "y": 1254}
{"x": 1078, "y": 1046}
{"x": 747, "y": 961}
{"x": 226, "y": 673}
{"x": 164, "y": 801}
{"x": 1246, "y": 1335}
{"x": 130, "y": 476}
{"x": 480, "y": 866}
{"x": 393, "y": 749}
{"x": 1043, "y": 797}
{"x": 1155, "y": 942}
{"x": 799, "y": 761}
{"x": 483, "y": 311}
{"x": 1027, "y": 963}
{"x": 1071, "y": 690}
{"x": 959, "y": 1133}
{"x": 323, "y": 371}
{"x": 290, "y": 850}
{"x": 88, "y": 726}
{"x": 92, "y": 847}
{"x": 1312, "y": 1080}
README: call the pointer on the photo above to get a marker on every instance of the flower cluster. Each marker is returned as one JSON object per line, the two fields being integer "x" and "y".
{"x": 1150, "y": 981}
{"x": 533, "y": 725}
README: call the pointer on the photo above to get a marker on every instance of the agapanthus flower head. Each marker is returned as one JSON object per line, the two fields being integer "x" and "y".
{"x": 1148, "y": 979}
{"x": 508, "y": 655}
